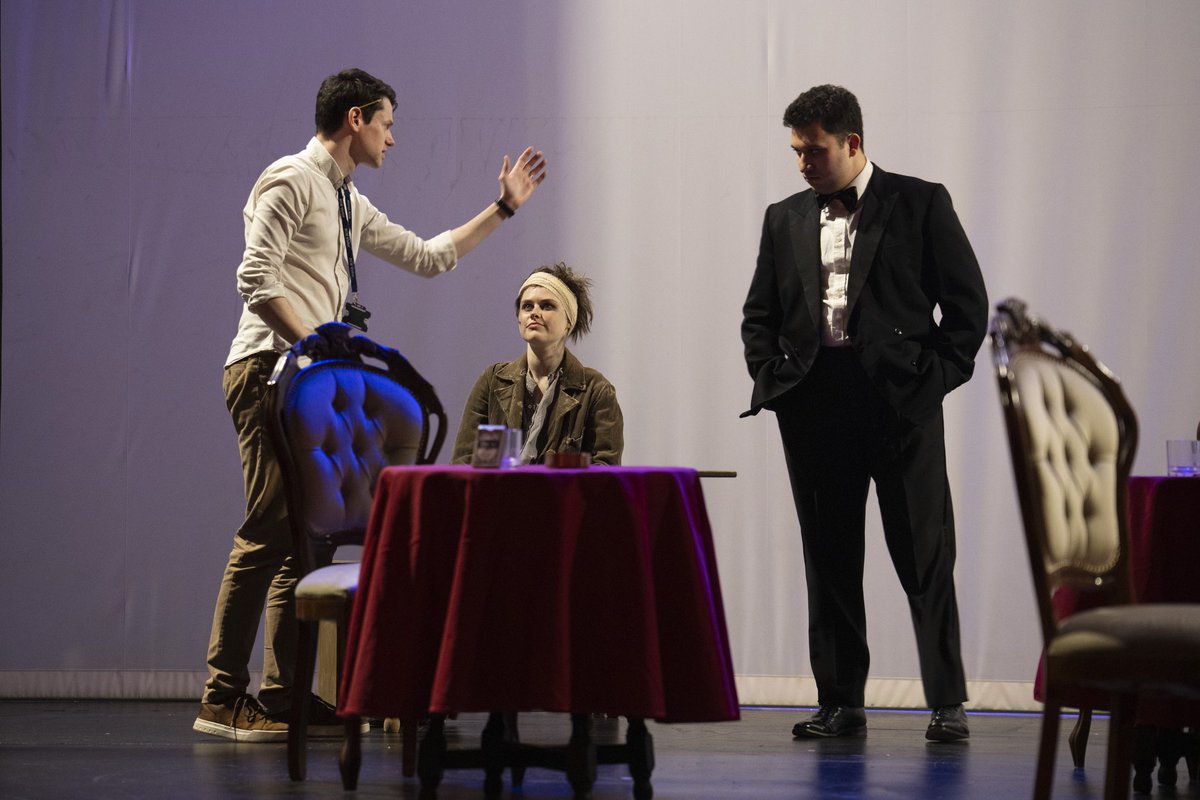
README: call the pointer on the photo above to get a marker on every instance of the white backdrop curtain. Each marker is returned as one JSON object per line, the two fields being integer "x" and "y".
{"x": 134, "y": 129}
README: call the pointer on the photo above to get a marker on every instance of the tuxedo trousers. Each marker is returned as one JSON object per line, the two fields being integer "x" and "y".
{"x": 839, "y": 434}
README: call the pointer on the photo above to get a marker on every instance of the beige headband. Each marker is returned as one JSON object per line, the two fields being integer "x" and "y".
{"x": 561, "y": 292}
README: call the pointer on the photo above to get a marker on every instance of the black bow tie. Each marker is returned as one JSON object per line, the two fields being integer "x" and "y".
{"x": 848, "y": 196}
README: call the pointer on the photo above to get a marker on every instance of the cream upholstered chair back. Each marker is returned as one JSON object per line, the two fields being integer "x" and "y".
{"x": 337, "y": 421}
{"x": 1072, "y": 435}
{"x": 1072, "y": 448}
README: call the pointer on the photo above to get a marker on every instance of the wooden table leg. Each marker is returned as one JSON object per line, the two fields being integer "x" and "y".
{"x": 1144, "y": 755}
{"x": 491, "y": 745}
{"x": 513, "y": 737}
{"x": 1078, "y": 739}
{"x": 641, "y": 758}
{"x": 431, "y": 756}
{"x": 1191, "y": 752}
{"x": 581, "y": 756}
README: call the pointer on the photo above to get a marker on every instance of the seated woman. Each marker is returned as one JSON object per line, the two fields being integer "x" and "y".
{"x": 561, "y": 405}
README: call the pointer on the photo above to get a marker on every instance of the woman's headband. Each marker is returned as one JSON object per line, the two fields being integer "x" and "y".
{"x": 562, "y": 293}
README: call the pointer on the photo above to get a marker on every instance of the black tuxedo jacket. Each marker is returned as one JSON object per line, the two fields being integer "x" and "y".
{"x": 910, "y": 256}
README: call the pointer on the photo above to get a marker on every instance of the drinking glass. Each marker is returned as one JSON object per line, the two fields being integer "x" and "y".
{"x": 510, "y": 452}
{"x": 1183, "y": 458}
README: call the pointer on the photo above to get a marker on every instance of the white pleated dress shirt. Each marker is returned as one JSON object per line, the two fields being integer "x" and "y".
{"x": 838, "y": 229}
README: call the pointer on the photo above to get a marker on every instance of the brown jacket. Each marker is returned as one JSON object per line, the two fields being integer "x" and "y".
{"x": 585, "y": 418}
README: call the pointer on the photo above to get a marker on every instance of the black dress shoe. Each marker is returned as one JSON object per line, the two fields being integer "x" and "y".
{"x": 831, "y": 721}
{"x": 948, "y": 724}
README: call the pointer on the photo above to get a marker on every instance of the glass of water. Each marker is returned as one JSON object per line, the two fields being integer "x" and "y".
{"x": 511, "y": 447}
{"x": 1183, "y": 458}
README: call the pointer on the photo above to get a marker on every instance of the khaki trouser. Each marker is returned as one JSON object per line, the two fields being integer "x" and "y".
{"x": 261, "y": 569}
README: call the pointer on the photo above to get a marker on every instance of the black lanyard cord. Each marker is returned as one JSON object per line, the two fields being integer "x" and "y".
{"x": 344, "y": 212}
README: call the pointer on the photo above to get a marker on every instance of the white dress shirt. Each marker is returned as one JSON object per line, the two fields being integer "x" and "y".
{"x": 838, "y": 230}
{"x": 295, "y": 247}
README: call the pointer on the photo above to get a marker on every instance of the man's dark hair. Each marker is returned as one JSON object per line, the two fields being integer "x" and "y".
{"x": 835, "y": 108}
{"x": 579, "y": 286}
{"x": 349, "y": 88}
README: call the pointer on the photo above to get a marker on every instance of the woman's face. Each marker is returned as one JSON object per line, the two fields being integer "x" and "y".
{"x": 541, "y": 320}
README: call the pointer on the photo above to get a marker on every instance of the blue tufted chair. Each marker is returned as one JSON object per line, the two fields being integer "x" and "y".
{"x": 336, "y": 420}
{"x": 1072, "y": 436}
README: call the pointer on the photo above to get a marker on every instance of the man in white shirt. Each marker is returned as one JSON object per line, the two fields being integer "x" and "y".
{"x": 304, "y": 223}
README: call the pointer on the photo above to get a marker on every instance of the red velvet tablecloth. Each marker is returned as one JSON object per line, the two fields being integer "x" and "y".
{"x": 1164, "y": 567}
{"x": 585, "y": 590}
{"x": 1164, "y": 539}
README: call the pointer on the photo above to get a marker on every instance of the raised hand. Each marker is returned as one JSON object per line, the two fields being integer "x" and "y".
{"x": 518, "y": 183}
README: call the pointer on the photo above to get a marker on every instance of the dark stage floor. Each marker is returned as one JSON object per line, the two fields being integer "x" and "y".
{"x": 98, "y": 749}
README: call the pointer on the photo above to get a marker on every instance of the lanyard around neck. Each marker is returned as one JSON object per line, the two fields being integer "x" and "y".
{"x": 344, "y": 213}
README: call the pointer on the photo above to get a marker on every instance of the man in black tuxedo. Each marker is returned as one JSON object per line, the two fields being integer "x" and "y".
{"x": 845, "y": 346}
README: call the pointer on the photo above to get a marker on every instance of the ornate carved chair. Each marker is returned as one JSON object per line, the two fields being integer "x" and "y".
{"x": 1072, "y": 436}
{"x": 335, "y": 423}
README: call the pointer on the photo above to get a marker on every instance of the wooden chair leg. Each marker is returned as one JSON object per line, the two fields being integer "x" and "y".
{"x": 1044, "y": 780}
{"x": 297, "y": 735}
{"x": 408, "y": 747}
{"x": 1120, "y": 747}
{"x": 350, "y": 760}
{"x": 1079, "y": 737}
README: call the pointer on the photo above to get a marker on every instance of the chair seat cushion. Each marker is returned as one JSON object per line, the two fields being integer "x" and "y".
{"x": 1149, "y": 648}
{"x": 334, "y": 581}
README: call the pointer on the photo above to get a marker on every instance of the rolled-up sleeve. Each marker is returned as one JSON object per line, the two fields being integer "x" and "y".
{"x": 272, "y": 216}
{"x": 401, "y": 247}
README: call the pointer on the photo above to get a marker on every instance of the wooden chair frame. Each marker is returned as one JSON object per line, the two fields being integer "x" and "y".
{"x": 1113, "y": 646}
{"x": 1014, "y": 331}
{"x": 333, "y": 347}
